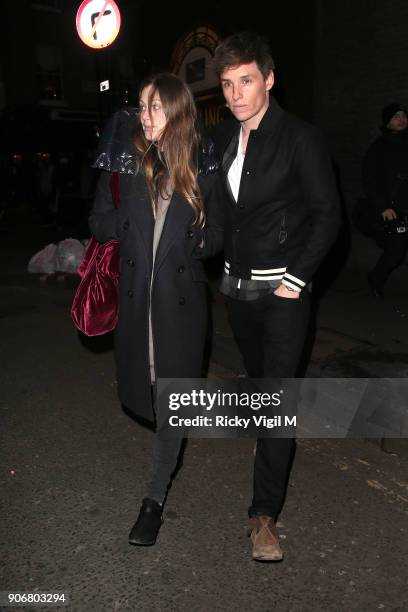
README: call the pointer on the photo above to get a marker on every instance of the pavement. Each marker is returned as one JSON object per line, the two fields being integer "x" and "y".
{"x": 74, "y": 466}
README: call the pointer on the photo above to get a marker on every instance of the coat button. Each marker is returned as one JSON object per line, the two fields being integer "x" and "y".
{"x": 248, "y": 172}
{"x": 241, "y": 206}
{"x": 182, "y": 301}
{"x": 125, "y": 226}
{"x": 190, "y": 233}
{"x": 130, "y": 293}
{"x": 180, "y": 269}
{"x": 237, "y": 230}
{"x": 130, "y": 263}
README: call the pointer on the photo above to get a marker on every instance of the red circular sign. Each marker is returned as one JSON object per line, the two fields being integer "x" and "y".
{"x": 98, "y": 22}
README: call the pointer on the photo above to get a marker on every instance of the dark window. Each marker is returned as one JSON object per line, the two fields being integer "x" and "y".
{"x": 195, "y": 71}
{"x": 50, "y": 85}
{"x": 49, "y": 72}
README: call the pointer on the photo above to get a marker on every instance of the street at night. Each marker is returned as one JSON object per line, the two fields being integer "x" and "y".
{"x": 74, "y": 466}
{"x": 224, "y": 192}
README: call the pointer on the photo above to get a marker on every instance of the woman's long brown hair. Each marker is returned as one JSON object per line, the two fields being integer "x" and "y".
{"x": 173, "y": 159}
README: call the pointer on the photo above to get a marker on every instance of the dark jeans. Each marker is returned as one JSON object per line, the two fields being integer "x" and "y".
{"x": 395, "y": 249}
{"x": 166, "y": 450}
{"x": 270, "y": 333}
{"x": 164, "y": 462}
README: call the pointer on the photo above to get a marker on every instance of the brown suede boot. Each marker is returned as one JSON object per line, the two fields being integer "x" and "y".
{"x": 265, "y": 539}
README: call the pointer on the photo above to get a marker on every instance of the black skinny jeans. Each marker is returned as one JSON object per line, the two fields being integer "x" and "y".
{"x": 166, "y": 450}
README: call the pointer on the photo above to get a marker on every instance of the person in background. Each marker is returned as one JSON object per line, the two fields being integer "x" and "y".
{"x": 385, "y": 182}
{"x": 166, "y": 224}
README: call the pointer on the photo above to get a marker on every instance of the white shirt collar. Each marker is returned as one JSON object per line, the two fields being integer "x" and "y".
{"x": 235, "y": 171}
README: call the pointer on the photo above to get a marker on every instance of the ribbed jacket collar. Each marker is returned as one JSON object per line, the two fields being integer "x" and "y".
{"x": 271, "y": 118}
{"x": 269, "y": 121}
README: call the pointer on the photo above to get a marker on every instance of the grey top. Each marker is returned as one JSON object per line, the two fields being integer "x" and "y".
{"x": 161, "y": 211}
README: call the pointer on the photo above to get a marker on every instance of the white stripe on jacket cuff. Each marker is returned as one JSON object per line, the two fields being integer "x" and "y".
{"x": 293, "y": 282}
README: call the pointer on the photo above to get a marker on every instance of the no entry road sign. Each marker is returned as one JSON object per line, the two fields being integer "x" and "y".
{"x": 98, "y": 22}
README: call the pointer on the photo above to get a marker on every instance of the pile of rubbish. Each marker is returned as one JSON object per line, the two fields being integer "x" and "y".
{"x": 62, "y": 257}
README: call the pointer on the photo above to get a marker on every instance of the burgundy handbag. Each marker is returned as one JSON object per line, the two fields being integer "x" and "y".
{"x": 95, "y": 307}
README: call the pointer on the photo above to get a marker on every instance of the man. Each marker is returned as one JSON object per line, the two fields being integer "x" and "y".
{"x": 282, "y": 215}
{"x": 385, "y": 178}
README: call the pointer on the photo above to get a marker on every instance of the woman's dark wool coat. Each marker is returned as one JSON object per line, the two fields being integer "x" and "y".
{"x": 179, "y": 292}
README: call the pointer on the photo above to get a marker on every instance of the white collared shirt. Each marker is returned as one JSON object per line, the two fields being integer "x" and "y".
{"x": 235, "y": 171}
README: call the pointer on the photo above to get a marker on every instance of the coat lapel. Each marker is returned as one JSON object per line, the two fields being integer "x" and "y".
{"x": 141, "y": 212}
{"x": 179, "y": 215}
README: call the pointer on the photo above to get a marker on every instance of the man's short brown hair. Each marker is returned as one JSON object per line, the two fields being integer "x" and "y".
{"x": 244, "y": 48}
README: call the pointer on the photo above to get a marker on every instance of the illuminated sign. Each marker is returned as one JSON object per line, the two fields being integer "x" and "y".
{"x": 192, "y": 58}
{"x": 98, "y": 23}
{"x": 192, "y": 61}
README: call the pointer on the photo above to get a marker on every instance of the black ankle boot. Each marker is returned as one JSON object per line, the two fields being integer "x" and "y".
{"x": 144, "y": 531}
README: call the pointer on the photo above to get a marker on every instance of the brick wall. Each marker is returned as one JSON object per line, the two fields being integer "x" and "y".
{"x": 361, "y": 65}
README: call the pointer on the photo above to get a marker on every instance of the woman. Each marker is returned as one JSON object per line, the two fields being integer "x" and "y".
{"x": 167, "y": 222}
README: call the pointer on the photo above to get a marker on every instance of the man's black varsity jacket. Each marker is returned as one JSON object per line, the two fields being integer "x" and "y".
{"x": 287, "y": 214}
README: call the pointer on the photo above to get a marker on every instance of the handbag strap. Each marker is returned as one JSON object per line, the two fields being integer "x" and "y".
{"x": 115, "y": 188}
